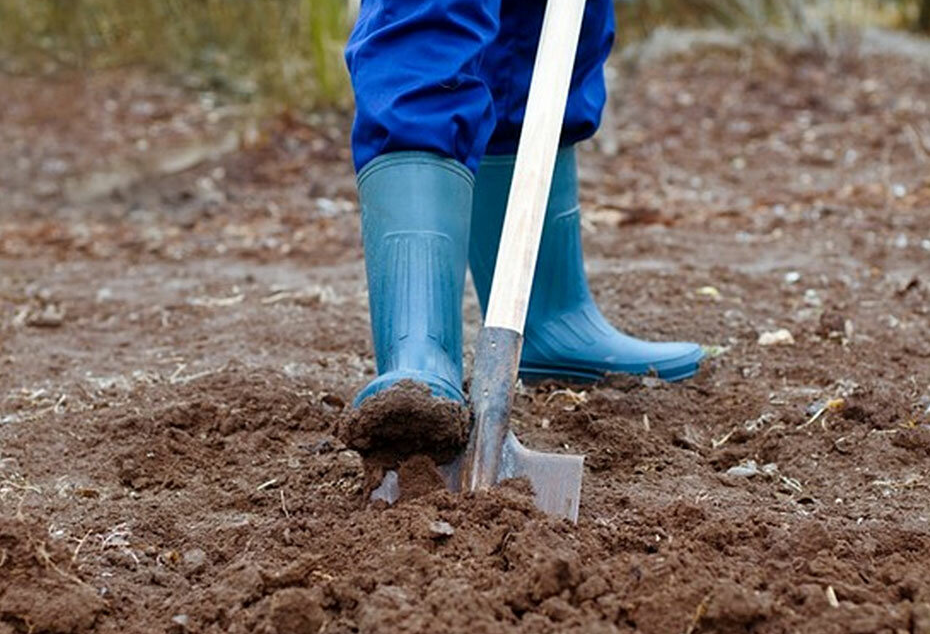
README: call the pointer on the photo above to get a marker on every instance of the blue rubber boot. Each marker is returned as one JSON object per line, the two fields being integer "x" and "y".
{"x": 416, "y": 209}
{"x": 566, "y": 335}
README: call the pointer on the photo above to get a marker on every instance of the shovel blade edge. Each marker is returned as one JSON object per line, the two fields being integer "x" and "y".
{"x": 555, "y": 478}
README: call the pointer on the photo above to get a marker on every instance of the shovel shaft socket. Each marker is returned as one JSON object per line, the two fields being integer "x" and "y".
{"x": 497, "y": 360}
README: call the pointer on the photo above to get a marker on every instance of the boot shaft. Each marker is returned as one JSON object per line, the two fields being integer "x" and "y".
{"x": 559, "y": 282}
{"x": 415, "y": 223}
{"x": 566, "y": 336}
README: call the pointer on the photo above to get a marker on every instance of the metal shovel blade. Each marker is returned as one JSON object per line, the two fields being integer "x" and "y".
{"x": 493, "y": 453}
{"x": 555, "y": 478}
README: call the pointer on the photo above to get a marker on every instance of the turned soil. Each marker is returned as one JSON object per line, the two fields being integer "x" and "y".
{"x": 183, "y": 323}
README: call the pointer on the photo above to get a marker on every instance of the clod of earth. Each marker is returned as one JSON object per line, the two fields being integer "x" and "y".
{"x": 405, "y": 420}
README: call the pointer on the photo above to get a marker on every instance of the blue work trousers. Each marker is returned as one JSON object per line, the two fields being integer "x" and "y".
{"x": 452, "y": 76}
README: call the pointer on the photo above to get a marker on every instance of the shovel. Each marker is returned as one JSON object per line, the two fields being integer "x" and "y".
{"x": 493, "y": 452}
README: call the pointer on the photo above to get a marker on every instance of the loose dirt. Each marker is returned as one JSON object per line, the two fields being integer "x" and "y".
{"x": 178, "y": 348}
{"x": 404, "y": 420}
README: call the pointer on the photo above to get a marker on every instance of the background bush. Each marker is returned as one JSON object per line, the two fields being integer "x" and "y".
{"x": 289, "y": 52}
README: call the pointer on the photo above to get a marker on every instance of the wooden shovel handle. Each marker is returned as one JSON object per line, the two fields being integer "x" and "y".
{"x": 497, "y": 357}
{"x": 532, "y": 174}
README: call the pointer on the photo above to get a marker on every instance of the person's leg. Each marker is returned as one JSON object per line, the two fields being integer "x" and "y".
{"x": 423, "y": 117}
{"x": 566, "y": 336}
{"x": 415, "y": 220}
{"x": 414, "y": 66}
{"x": 507, "y": 67}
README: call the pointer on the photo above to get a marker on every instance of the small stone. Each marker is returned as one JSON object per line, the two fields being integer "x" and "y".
{"x": 195, "y": 559}
{"x": 812, "y": 298}
{"x": 50, "y": 316}
{"x": 652, "y": 382}
{"x": 744, "y": 470}
{"x": 755, "y": 424}
{"x": 180, "y": 619}
{"x": 792, "y": 277}
{"x": 780, "y": 337}
{"x": 441, "y": 530}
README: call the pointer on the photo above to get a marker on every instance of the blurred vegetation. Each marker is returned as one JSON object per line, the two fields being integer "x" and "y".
{"x": 637, "y": 18}
{"x": 289, "y": 52}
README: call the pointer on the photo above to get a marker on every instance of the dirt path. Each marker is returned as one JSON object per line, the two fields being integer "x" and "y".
{"x": 179, "y": 336}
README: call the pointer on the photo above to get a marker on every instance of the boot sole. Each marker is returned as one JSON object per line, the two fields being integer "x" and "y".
{"x": 531, "y": 374}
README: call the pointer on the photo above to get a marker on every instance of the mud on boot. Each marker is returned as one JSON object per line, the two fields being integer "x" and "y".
{"x": 416, "y": 210}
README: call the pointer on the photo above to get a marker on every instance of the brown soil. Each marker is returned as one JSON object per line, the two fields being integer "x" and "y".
{"x": 406, "y": 420}
{"x": 177, "y": 351}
